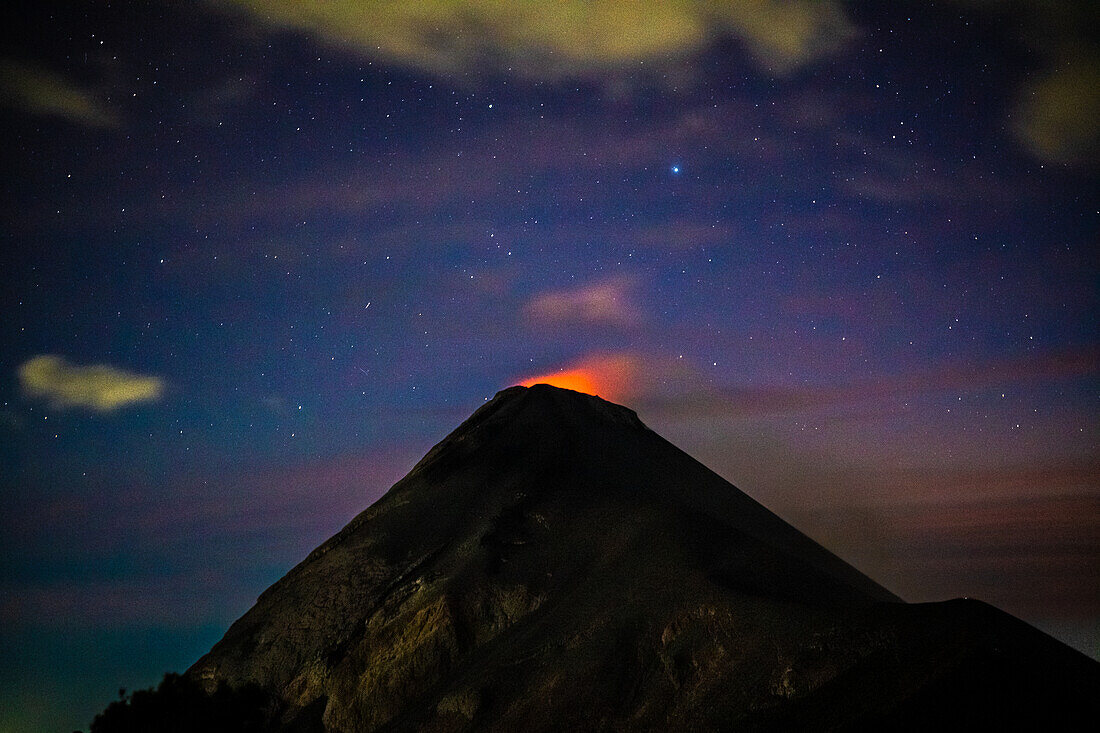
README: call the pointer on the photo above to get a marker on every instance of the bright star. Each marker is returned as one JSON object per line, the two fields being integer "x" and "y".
{"x": 675, "y": 170}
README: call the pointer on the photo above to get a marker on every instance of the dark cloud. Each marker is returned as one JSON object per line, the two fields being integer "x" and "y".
{"x": 38, "y": 91}
{"x": 1057, "y": 110}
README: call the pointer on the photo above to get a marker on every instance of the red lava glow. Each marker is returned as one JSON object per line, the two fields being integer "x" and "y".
{"x": 577, "y": 379}
{"x": 614, "y": 377}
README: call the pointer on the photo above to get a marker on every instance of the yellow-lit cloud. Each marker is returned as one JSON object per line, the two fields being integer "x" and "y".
{"x": 558, "y": 38}
{"x": 42, "y": 92}
{"x": 98, "y": 387}
{"x": 1058, "y": 111}
{"x": 1057, "y": 107}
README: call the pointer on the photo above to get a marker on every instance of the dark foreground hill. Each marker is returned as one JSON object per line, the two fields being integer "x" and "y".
{"x": 554, "y": 565}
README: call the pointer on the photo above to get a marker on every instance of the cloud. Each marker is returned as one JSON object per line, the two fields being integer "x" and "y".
{"x": 39, "y": 91}
{"x": 676, "y": 387}
{"x": 561, "y": 151}
{"x": 247, "y": 544}
{"x": 97, "y": 387}
{"x": 607, "y": 303}
{"x": 886, "y": 176}
{"x": 1031, "y": 555}
{"x": 691, "y": 393}
{"x": 1056, "y": 108}
{"x": 682, "y": 234}
{"x": 670, "y": 386}
{"x": 10, "y": 420}
{"x": 1057, "y": 112}
{"x": 553, "y": 40}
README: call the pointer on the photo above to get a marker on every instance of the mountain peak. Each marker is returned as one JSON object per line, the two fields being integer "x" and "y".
{"x": 547, "y": 402}
{"x": 543, "y": 423}
{"x": 552, "y": 440}
{"x": 553, "y": 564}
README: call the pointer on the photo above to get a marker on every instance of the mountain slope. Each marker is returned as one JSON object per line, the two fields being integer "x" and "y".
{"x": 555, "y": 565}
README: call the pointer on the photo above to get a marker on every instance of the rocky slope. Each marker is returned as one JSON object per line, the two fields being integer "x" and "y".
{"x": 555, "y": 565}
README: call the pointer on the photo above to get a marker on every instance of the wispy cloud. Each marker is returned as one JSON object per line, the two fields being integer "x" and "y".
{"x": 247, "y": 543}
{"x": 906, "y": 179}
{"x": 1002, "y": 550}
{"x": 682, "y": 234}
{"x": 38, "y": 91}
{"x": 551, "y": 40}
{"x": 695, "y": 394}
{"x": 607, "y": 303}
{"x": 97, "y": 387}
{"x": 671, "y": 386}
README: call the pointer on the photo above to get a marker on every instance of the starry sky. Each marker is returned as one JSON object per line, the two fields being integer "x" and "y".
{"x": 258, "y": 257}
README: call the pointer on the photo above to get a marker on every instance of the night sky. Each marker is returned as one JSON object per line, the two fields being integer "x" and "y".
{"x": 259, "y": 256}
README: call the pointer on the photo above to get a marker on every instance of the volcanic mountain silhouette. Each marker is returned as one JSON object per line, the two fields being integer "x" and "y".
{"x": 554, "y": 565}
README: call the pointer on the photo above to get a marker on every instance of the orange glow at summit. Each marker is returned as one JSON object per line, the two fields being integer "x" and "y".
{"x": 610, "y": 376}
{"x": 576, "y": 379}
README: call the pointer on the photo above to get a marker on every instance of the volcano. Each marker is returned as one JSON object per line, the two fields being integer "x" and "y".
{"x": 555, "y": 565}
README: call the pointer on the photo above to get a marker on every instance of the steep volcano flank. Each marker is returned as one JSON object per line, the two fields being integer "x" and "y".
{"x": 553, "y": 439}
{"x": 553, "y": 564}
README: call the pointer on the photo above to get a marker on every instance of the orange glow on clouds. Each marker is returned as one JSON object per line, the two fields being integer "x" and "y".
{"x": 610, "y": 376}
